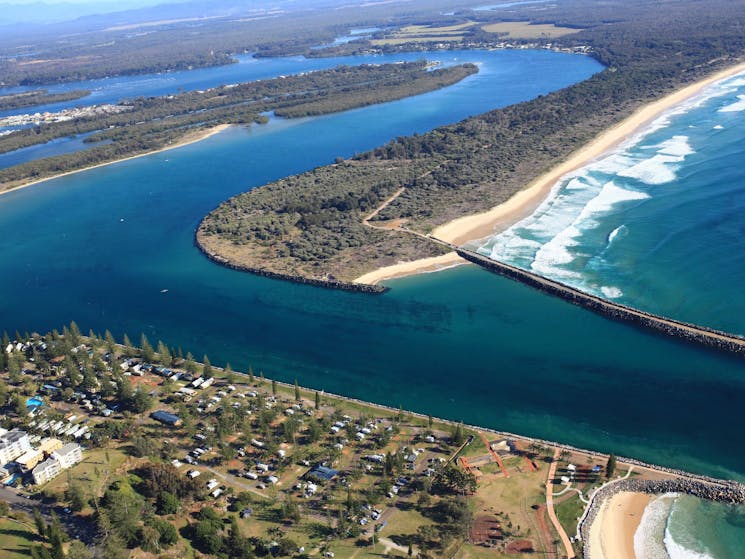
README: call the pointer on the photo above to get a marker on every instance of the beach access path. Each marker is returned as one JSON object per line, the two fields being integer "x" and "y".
{"x": 550, "y": 507}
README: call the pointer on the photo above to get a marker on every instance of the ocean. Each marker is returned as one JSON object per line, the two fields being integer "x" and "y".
{"x": 656, "y": 224}
{"x": 676, "y": 526}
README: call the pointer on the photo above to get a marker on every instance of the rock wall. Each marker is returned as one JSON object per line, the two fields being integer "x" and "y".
{"x": 682, "y": 330}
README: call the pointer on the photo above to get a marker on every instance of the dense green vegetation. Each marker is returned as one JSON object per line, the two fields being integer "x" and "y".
{"x": 155, "y": 122}
{"x": 39, "y": 97}
{"x": 480, "y": 162}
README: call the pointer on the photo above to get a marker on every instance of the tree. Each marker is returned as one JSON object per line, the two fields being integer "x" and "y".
{"x": 110, "y": 342}
{"x": 459, "y": 435}
{"x": 41, "y": 526}
{"x": 429, "y": 421}
{"x": 149, "y": 539}
{"x": 318, "y": 400}
{"x": 76, "y": 496}
{"x": 74, "y": 334}
{"x": 164, "y": 353}
{"x": 251, "y": 374}
{"x": 189, "y": 365}
{"x": 148, "y": 354}
{"x": 207, "y": 368}
{"x": 274, "y": 387}
{"x": 297, "y": 391}
{"x": 229, "y": 374}
{"x": 78, "y": 550}
{"x": 167, "y": 503}
{"x": 167, "y": 531}
{"x": 610, "y": 467}
{"x": 128, "y": 346}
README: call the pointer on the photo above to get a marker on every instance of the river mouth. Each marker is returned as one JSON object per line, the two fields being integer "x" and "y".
{"x": 101, "y": 247}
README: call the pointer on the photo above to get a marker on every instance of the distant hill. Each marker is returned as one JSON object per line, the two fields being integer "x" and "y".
{"x": 91, "y": 15}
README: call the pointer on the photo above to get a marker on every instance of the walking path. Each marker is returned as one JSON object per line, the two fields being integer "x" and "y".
{"x": 494, "y": 454}
{"x": 383, "y": 206}
{"x": 550, "y": 506}
{"x": 529, "y": 462}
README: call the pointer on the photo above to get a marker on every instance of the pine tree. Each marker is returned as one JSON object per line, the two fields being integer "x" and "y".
{"x": 164, "y": 353}
{"x": 318, "y": 400}
{"x": 251, "y": 374}
{"x": 148, "y": 353}
{"x": 207, "y": 368}
{"x": 110, "y": 342}
{"x": 229, "y": 373}
{"x": 610, "y": 467}
{"x": 297, "y": 391}
{"x": 274, "y": 387}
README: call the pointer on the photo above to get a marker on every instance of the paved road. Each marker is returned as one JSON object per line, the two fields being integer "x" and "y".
{"x": 73, "y": 524}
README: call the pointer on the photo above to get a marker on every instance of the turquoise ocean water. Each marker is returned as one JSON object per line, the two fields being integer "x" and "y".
{"x": 659, "y": 224}
{"x": 98, "y": 247}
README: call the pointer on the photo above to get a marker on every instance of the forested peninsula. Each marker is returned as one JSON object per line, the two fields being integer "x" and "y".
{"x": 39, "y": 97}
{"x": 148, "y": 124}
{"x": 322, "y": 224}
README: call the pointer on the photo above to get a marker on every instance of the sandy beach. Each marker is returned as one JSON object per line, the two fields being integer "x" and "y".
{"x": 612, "y": 532}
{"x": 523, "y": 203}
{"x": 188, "y": 139}
{"x": 432, "y": 264}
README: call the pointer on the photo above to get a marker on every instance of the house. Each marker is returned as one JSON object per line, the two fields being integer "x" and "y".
{"x": 46, "y": 471}
{"x": 69, "y": 455}
{"x": 322, "y": 473}
{"x": 167, "y": 418}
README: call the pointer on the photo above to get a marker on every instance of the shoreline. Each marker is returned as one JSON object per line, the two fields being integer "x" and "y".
{"x": 403, "y": 269}
{"x": 185, "y": 141}
{"x": 524, "y": 202}
{"x": 612, "y": 531}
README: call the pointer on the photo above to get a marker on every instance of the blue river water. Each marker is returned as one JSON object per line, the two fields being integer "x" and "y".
{"x": 248, "y": 68}
{"x": 99, "y": 247}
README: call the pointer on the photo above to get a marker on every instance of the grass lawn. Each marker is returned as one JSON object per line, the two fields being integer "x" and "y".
{"x": 16, "y": 539}
{"x": 568, "y": 512}
{"x": 524, "y": 30}
{"x": 91, "y": 470}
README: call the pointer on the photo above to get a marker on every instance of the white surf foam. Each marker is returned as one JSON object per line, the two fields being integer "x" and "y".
{"x": 614, "y": 234}
{"x": 649, "y": 536}
{"x": 735, "y": 107}
{"x": 611, "y": 292}
{"x": 557, "y": 252}
{"x": 661, "y": 168}
{"x": 718, "y": 127}
{"x": 677, "y": 551}
{"x": 679, "y": 146}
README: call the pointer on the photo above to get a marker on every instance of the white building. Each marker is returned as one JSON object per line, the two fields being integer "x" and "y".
{"x": 46, "y": 471}
{"x": 68, "y": 455}
{"x": 12, "y": 445}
